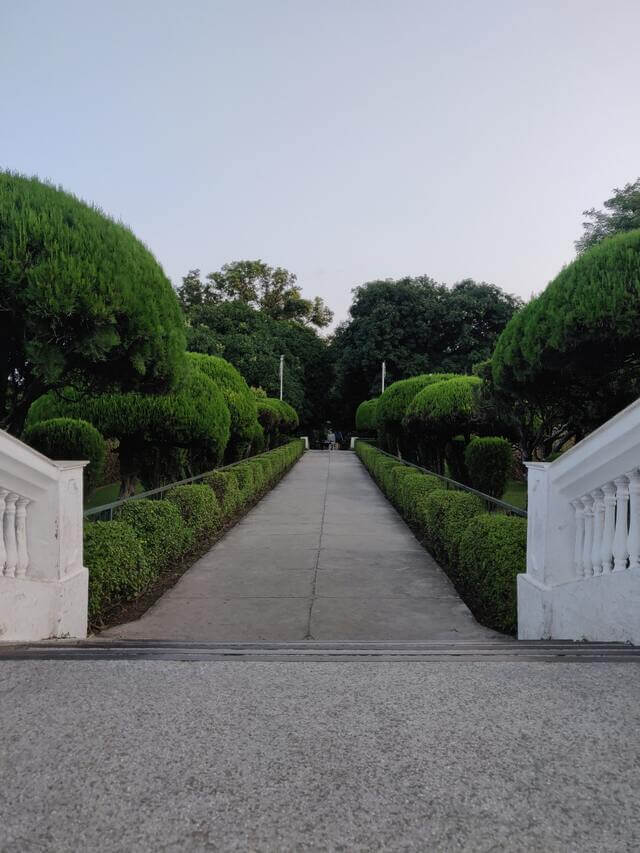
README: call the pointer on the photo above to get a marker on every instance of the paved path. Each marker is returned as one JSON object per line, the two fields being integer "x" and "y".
{"x": 147, "y": 756}
{"x": 324, "y": 556}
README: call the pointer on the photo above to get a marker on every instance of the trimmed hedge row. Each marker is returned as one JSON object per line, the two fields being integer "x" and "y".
{"x": 483, "y": 551}
{"x": 148, "y": 537}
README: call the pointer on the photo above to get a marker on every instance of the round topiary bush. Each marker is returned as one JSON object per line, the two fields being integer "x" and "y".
{"x": 392, "y": 407}
{"x": 366, "y": 417}
{"x": 239, "y": 399}
{"x": 69, "y": 438}
{"x": 489, "y": 462}
{"x": 84, "y": 302}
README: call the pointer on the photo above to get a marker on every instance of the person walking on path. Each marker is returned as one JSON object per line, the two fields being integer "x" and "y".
{"x": 331, "y": 438}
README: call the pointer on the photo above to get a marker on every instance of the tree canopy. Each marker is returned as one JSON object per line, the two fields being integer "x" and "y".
{"x": 272, "y": 290}
{"x": 82, "y": 302}
{"x": 253, "y": 342}
{"x": 621, "y": 214}
{"x": 572, "y": 353}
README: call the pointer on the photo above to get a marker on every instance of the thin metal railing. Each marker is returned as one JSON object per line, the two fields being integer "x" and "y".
{"x": 105, "y": 511}
{"x": 454, "y": 484}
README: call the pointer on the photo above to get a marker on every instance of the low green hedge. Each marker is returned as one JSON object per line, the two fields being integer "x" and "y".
{"x": 483, "y": 551}
{"x": 199, "y": 509}
{"x": 492, "y": 552}
{"x": 126, "y": 555}
{"x": 118, "y": 568}
{"x": 160, "y": 530}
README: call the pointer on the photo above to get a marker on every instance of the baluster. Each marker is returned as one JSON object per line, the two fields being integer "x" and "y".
{"x": 598, "y": 527}
{"x": 3, "y": 552}
{"x": 10, "y": 534}
{"x": 21, "y": 537}
{"x": 608, "y": 533}
{"x": 587, "y": 502}
{"x": 577, "y": 550}
{"x": 633, "y": 543}
{"x": 620, "y": 550}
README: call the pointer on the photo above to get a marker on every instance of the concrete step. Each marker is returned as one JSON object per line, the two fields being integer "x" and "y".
{"x": 464, "y": 652}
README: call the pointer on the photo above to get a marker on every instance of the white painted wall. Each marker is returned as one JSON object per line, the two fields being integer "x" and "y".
{"x": 43, "y": 583}
{"x": 583, "y": 559}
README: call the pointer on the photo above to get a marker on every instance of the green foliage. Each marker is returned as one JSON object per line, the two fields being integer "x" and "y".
{"x": 199, "y": 509}
{"x": 84, "y": 303}
{"x": 271, "y": 290}
{"x": 417, "y": 326}
{"x": 489, "y": 462}
{"x": 277, "y": 419}
{"x": 238, "y": 397}
{"x": 444, "y": 519}
{"x": 69, "y": 438}
{"x": 572, "y": 354}
{"x": 118, "y": 568}
{"x": 160, "y": 530}
{"x": 366, "y": 417}
{"x": 394, "y": 404}
{"x": 246, "y": 481}
{"x": 623, "y": 214}
{"x": 492, "y": 552}
{"x": 226, "y": 489}
{"x": 150, "y": 427}
{"x": 253, "y": 341}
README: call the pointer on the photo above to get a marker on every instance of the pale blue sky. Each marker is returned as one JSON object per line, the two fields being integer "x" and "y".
{"x": 344, "y": 140}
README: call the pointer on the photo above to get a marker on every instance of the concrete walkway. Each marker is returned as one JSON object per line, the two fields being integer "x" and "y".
{"x": 324, "y": 557}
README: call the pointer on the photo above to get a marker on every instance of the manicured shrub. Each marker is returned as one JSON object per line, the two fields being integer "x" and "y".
{"x": 68, "y": 438}
{"x": 151, "y": 427}
{"x": 414, "y": 494}
{"x": 246, "y": 481}
{"x": 199, "y": 509}
{"x": 366, "y": 419}
{"x": 489, "y": 462}
{"x": 574, "y": 348}
{"x": 393, "y": 406}
{"x": 259, "y": 476}
{"x": 443, "y": 517}
{"x": 398, "y": 475}
{"x": 226, "y": 489}
{"x": 87, "y": 301}
{"x": 239, "y": 398}
{"x": 160, "y": 530}
{"x": 441, "y": 411}
{"x": 277, "y": 419}
{"x": 118, "y": 568}
{"x": 492, "y": 552}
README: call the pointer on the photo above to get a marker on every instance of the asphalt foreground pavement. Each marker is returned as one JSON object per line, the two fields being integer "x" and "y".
{"x": 167, "y": 755}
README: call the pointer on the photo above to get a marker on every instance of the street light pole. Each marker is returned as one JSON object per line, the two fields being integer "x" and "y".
{"x": 281, "y": 374}
{"x": 384, "y": 374}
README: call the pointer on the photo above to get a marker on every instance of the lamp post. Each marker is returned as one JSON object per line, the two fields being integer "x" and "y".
{"x": 384, "y": 374}
{"x": 281, "y": 374}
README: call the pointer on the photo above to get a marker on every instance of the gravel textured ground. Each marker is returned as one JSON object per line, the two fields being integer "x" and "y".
{"x": 148, "y": 756}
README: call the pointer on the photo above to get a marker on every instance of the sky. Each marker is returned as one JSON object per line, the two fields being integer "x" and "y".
{"x": 346, "y": 140}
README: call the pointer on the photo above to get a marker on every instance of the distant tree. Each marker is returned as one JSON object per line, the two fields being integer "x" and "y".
{"x": 253, "y": 342}
{"x": 622, "y": 214}
{"x": 417, "y": 326}
{"x": 272, "y": 290}
{"x": 82, "y": 302}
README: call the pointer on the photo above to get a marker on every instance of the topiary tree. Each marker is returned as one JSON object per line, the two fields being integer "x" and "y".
{"x": 441, "y": 411}
{"x": 572, "y": 353}
{"x": 69, "y": 438}
{"x": 84, "y": 303}
{"x": 366, "y": 416}
{"x": 152, "y": 430}
{"x": 392, "y": 408}
{"x": 245, "y": 428}
{"x": 277, "y": 419}
{"x": 489, "y": 462}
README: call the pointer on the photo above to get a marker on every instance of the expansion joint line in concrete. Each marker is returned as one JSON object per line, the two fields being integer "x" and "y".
{"x": 315, "y": 568}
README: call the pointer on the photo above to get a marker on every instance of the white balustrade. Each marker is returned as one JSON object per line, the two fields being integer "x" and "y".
{"x": 583, "y": 540}
{"x": 43, "y": 584}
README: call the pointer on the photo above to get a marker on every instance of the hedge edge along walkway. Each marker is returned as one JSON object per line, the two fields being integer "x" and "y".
{"x": 323, "y": 557}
